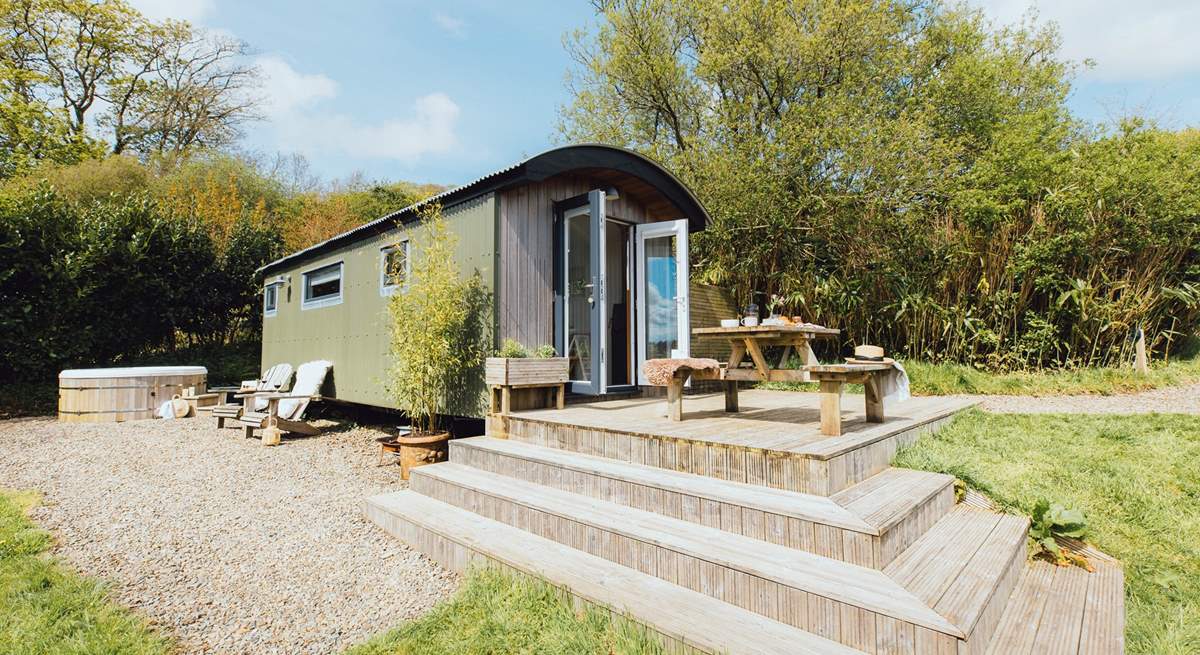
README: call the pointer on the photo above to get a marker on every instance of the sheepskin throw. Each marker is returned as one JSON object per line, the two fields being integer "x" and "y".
{"x": 660, "y": 371}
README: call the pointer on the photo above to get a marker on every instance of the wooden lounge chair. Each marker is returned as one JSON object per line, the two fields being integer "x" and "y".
{"x": 284, "y": 411}
{"x": 275, "y": 378}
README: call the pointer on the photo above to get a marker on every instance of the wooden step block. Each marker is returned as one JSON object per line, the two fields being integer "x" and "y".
{"x": 866, "y": 526}
{"x": 774, "y": 441}
{"x": 856, "y": 606}
{"x": 1064, "y": 610}
{"x": 901, "y": 505}
{"x": 686, "y": 620}
{"x": 966, "y": 567}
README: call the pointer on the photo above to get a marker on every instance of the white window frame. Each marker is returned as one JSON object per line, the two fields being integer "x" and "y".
{"x": 327, "y": 301}
{"x": 276, "y": 286}
{"x": 386, "y": 289}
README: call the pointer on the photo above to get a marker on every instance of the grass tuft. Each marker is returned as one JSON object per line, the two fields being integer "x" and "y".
{"x": 499, "y": 612}
{"x": 47, "y": 608}
{"x": 1136, "y": 478}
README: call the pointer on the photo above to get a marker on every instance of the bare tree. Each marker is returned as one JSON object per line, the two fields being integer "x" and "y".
{"x": 191, "y": 89}
{"x": 155, "y": 88}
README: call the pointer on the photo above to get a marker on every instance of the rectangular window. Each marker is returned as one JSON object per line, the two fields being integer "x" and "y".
{"x": 393, "y": 268}
{"x": 322, "y": 287}
{"x": 270, "y": 299}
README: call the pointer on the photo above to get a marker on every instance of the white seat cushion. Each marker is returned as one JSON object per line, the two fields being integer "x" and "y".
{"x": 309, "y": 379}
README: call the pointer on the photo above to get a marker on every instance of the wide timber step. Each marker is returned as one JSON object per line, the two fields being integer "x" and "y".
{"x": 774, "y": 441}
{"x": 868, "y": 524}
{"x": 965, "y": 567}
{"x": 857, "y": 606}
{"x": 687, "y": 620}
{"x": 1064, "y": 610}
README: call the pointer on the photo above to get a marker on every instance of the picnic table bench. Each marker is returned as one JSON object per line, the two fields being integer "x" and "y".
{"x": 753, "y": 340}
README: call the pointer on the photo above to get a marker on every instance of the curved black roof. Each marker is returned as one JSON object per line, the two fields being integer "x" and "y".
{"x": 534, "y": 169}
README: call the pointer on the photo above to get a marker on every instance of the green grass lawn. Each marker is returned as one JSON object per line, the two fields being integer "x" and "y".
{"x": 47, "y": 608}
{"x": 946, "y": 379}
{"x": 1137, "y": 479}
{"x": 943, "y": 379}
{"x": 496, "y": 612}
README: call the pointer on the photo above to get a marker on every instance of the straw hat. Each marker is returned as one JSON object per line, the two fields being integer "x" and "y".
{"x": 869, "y": 354}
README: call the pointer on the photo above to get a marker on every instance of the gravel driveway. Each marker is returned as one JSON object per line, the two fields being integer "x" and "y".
{"x": 1168, "y": 400}
{"x": 229, "y": 546}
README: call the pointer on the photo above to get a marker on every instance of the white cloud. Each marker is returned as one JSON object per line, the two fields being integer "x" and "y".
{"x": 193, "y": 11}
{"x": 285, "y": 89}
{"x": 297, "y": 115}
{"x": 1127, "y": 40}
{"x": 454, "y": 26}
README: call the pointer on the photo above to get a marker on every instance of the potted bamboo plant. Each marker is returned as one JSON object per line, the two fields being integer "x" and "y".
{"x": 436, "y": 340}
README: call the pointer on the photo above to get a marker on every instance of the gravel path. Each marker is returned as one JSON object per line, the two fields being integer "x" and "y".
{"x": 228, "y": 546}
{"x": 1168, "y": 400}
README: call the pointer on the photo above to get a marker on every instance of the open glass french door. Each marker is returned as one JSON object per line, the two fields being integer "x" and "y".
{"x": 583, "y": 294}
{"x": 662, "y": 292}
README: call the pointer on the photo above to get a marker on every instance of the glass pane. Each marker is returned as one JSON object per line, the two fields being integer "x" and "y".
{"x": 579, "y": 297}
{"x": 616, "y": 268}
{"x": 395, "y": 263}
{"x": 323, "y": 282}
{"x": 661, "y": 288}
{"x": 270, "y": 297}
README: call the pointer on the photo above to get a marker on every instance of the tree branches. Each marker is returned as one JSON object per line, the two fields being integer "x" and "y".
{"x": 144, "y": 87}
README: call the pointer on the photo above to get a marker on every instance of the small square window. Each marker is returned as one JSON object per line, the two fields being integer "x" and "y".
{"x": 270, "y": 299}
{"x": 322, "y": 287}
{"x": 393, "y": 268}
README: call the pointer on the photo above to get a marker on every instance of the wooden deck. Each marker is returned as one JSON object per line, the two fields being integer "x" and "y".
{"x": 753, "y": 533}
{"x": 781, "y": 421}
{"x": 775, "y": 441}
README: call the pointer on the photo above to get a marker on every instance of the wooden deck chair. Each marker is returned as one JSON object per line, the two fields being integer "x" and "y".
{"x": 284, "y": 411}
{"x": 275, "y": 378}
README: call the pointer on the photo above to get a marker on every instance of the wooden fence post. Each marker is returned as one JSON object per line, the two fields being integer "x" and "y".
{"x": 1140, "y": 363}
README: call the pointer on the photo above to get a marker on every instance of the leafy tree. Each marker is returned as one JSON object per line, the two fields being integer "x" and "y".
{"x": 154, "y": 87}
{"x": 904, "y": 170}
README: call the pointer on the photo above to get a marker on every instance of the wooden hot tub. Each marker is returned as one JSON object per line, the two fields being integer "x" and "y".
{"x": 105, "y": 395}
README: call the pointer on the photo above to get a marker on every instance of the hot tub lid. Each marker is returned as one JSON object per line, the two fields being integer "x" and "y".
{"x": 130, "y": 372}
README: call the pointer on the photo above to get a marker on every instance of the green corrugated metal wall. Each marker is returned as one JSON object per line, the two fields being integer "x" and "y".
{"x": 354, "y": 334}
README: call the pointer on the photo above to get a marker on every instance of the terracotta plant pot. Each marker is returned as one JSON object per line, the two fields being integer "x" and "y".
{"x": 419, "y": 450}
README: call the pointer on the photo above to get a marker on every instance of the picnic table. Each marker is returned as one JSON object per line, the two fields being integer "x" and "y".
{"x": 754, "y": 340}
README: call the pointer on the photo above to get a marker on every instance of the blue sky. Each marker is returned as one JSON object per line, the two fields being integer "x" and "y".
{"x": 447, "y": 91}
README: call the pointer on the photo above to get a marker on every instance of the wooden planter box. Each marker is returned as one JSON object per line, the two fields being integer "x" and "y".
{"x": 525, "y": 371}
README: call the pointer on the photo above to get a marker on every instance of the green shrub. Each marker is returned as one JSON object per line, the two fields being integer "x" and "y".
{"x": 1050, "y": 520}
{"x": 512, "y": 349}
{"x": 114, "y": 281}
{"x": 545, "y": 351}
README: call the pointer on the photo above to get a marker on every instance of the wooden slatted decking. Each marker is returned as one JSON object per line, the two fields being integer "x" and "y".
{"x": 1058, "y": 610}
{"x": 688, "y": 621}
{"x": 889, "y": 510}
{"x": 774, "y": 441}
{"x": 721, "y": 542}
{"x": 779, "y": 421}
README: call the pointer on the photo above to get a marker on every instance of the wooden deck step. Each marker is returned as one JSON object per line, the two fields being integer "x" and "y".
{"x": 889, "y": 511}
{"x": 774, "y": 441}
{"x": 1058, "y": 610}
{"x": 900, "y": 504}
{"x": 687, "y": 620}
{"x": 857, "y": 606}
{"x": 965, "y": 567}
